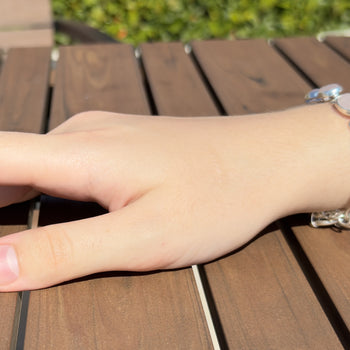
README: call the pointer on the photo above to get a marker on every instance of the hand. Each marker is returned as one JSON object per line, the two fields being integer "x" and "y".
{"x": 179, "y": 191}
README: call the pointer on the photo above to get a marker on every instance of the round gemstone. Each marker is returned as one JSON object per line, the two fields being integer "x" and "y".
{"x": 342, "y": 103}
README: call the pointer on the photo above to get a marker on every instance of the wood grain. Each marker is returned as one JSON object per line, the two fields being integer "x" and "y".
{"x": 270, "y": 312}
{"x": 271, "y": 305}
{"x": 320, "y": 63}
{"x": 111, "y": 311}
{"x": 176, "y": 85}
{"x": 245, "y": 75}
{"x": 88, "y": 78}
{"x": 118, "y": 312}
{"x": 24, "y": 90}
{"x": 326, "y": 249}
{"x": 16, "y": 14}
{"x": 340, "y": 44}
{"x": 23, "y": 86}
{"x": 329, "y": 253}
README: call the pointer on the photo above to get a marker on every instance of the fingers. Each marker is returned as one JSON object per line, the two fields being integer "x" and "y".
{"x": 36, "y": 160}
{"x": 59, "y": 165}
{"x": 76, "y": 161}
{"x": 129, "y": 239}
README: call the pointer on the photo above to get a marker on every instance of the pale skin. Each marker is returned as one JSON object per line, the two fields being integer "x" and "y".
{"x": 179, "y": 191}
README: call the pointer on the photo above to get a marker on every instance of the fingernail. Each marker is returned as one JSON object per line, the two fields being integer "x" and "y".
{"x": 8, "y": 265}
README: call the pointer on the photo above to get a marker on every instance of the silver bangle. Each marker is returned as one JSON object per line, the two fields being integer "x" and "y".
{"x": 339, "y": 218}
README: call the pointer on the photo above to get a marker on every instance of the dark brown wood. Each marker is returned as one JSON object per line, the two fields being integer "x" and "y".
{"x": 265, "y": 302}
{"x": 245, "y": 75}
{"x": 316, "y": 60}
{"x": 113, "y": 311}
{"x": 131, "y": 312}
{"x": 175, "y": 83}
{"x": 326, "y": 249}
{"x": 23, "y": 87}
{"x": 262, "y": 297}
{"x": 260, "y": 293}
{"x": 90, "y": 79}
{"x": 340, "y": 44}
{"x": 328, "y": 252}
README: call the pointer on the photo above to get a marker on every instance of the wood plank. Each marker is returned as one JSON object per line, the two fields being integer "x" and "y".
{"x": 115, "y": 310}
{"x": 340, "y": 44}
{"x": 324, "y": 246}
{"x": 89, "y": 79}
{"x": 266, "y": 310}
{"x": 119, "y": 312}
{"x": 23, "y": 86}
{"x": 171, "y": 73}
{"x": 24, "y": 90}
{"x": 25, "y": 14}
{"x": 320, "y": 63}
{"x": 26, "y": 38}
{"x": 271, "y": 303}
{"x": 329, "y": 254}
{"x": 246, "y": 83}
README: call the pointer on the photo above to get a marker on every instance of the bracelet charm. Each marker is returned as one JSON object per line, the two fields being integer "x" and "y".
{"x": 342, "y": 104}
{"x": 339, "y": 218}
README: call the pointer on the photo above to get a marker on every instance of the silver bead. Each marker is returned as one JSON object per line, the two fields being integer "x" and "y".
{"x": 329, "y": 92}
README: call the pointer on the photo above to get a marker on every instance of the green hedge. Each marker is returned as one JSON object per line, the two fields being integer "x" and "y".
{"x": 153, "y": 20}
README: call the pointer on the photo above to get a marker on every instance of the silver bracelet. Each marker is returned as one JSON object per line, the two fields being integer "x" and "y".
{"x": 339, "y": 218}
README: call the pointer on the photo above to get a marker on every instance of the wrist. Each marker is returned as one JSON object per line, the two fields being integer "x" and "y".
{"x": 300, "y": 158}
{"x": 316, "y": 159}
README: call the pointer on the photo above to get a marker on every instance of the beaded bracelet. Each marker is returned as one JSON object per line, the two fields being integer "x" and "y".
{"x": 339, "y": 218}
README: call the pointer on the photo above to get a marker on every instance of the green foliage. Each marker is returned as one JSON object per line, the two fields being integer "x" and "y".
{"x": 136, "y": 21}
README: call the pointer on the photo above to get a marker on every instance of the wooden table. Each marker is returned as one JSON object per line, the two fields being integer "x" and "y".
{"x": 288, "y": 289}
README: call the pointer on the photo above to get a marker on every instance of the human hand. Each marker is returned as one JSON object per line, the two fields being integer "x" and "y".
{"x": 179, "y": 191}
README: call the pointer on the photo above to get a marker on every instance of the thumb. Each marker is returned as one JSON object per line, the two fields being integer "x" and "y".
{"x": 128, "y": 239}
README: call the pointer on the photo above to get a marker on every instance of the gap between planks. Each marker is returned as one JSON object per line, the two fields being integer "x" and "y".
{"x": 20, "y": 321}
{"x": 206, "y": 308}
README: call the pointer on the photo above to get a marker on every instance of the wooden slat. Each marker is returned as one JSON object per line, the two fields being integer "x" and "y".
{"x": 262, "y": 304}
{"x": 114, "y": 311}
{"x": 320, "y": 63}
{"x": 90, "y": 79}
{"x": 23, "y": 87}
{"x": 171, "y": 73}
{"x": 25, "y": 14}
{"x": 341, "y": 44}
{"x": 329, "y": 253}
{"x": 265, "y": 302}
{"x": 26, "y": 38}
{"x": 131, "y": 312}
{"x": 322, "y": 246}
{"x": 245, "y": 76}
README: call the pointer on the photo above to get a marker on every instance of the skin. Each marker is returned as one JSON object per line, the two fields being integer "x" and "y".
{"x": 179, "y": 191}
